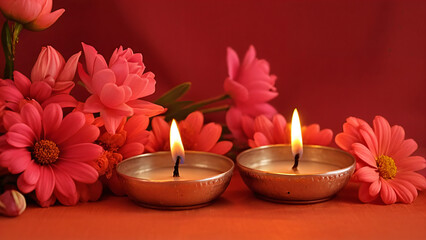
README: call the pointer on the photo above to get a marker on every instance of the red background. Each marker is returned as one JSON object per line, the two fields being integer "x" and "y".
{"x": 333, "y": 59}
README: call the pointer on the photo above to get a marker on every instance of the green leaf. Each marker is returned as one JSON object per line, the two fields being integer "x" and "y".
{"x": 173, "y": 94}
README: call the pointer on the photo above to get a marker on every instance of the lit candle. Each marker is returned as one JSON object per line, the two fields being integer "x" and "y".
{"x": 279, "y": 172}
{"x": 148, "y": 179}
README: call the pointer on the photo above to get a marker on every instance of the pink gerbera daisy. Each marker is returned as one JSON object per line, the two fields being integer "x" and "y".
{"x": 195, "y": 135}
{"x": 49, "y": 152}
{"x": 277, "y": 131}
{"x": 385, "y": 166}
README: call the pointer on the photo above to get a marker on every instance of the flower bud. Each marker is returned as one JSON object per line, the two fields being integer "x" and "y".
{"x": 12, "y": 203}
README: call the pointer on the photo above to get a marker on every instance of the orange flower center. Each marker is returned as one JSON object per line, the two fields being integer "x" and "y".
{"x": 386, "y": 166}
{"x": 45, "y": 152}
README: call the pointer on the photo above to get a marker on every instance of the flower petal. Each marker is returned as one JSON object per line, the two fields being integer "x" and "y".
{"x": 66, "y": 188}
{"x": 44, "y": 21}
{"x": 221, "y": 147}
{"x": 374, "y": 188}
{"x": 405, "y": 191}
{"x": 418, "y": 180}
{"x": 93, "y": 104}
{"x": 15, "y": 159}
{"x": 70, "y": 125}
{"x": 345, "y": 141}
{"x": 32, "y": 118}
{"x": 22, "y": 83}
{"x": 382, "y": 130}
{"x": 10, "y": 118}
{"x": 412, "y": 163}
{"x": 86, "y": 134}
{"x": 131, "y": 149}
{"x": 81, "y": 172}
{"x": 260, "y": 139}
{"x": 40, "y": 91}
{"x": 397, "y": 137}
{"x": 370, "y": 139}
{"x": 364, "y": 154}
{"x": 64, "y": 100}
{"x": 146, "y": 108}
{"x": 406, "y": 149}
{"x": 208, "y": 137}
{"x": 233, "y": 63}
{"x": 21, "y": 135}
{"x": 82, "y": 152}
{"x": 364, "y": 193}
{"x": 102, "y": 78}
{"x": 45, "y": 184}
{"x": 387, "y": 194}
{"x": 366, "y": 174}
{"x": 112, "y": 95}
{"x": 52, "y": 119}
{"x": 31, "y": 173}
{"x": 23, "y": 186}
{"x": 264, "y": 125}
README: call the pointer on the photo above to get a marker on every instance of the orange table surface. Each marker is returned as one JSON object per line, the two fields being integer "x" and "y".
{"x": 237, "y": 214}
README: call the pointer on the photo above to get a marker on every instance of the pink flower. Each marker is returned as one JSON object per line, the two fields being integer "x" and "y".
{"x": 52, "y": 69}
{"x": 35, "y": 15}
{"x": 116, "y": 87}
{"x": 250, "y": 86}
{"x": 50, "y": 153}
{"x": 194, "y": 135}
{"x": 12, "y": 203}
{"x": 128, "y": 141}
{"x": 51, "y": 82}
{"x": 267, "y": 132}
{"x": 385, "y": 166}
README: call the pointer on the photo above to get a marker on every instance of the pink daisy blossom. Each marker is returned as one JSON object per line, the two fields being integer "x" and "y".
{"x": 116, "y": 87}
{"x": 195, "y": 135}
{"x": 51, "y": 81}
{"x": 35, "y": 15}
{"x": 128, "y": 141}
{"x": 50, "y": 153}
{"x": 250, "y": 86}
{"x": 277, "y": 131}
{"x": 385, "y": 166}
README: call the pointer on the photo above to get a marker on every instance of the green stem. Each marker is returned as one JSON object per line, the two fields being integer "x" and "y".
{"x": 212, "y": 100}
{"x": 216, "y": 109}
{"x": 10, "y": 37}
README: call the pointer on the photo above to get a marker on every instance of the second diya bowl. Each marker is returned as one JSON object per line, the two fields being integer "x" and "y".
{"x": 322, "y": 173}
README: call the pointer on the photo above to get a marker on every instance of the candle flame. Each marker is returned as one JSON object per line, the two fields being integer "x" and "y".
{"x": 296, "y": 135}
{"x": 176, "y": 145}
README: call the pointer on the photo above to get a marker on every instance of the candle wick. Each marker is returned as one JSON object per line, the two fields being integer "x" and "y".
{"x": 176, "y": 169}
{"x": 296, "y": 161}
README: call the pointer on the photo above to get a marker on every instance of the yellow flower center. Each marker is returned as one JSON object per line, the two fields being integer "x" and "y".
{"x": 45, "y": 152}
{"x": 386, "y": 166}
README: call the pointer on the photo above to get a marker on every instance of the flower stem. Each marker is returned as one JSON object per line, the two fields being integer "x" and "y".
{"x": 9, "y": 38}
{"x": 212, "y": 100}
{"x": 215, "y": 109}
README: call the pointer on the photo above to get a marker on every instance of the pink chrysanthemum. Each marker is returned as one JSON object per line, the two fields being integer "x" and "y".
{"x": 385, "y": 166}
{"x": 250, "y": 86}
{"x": 116, "y": 87}
{"x": 277, "y": 131}
{"x": 128, "y": 141}
{"x": 51, "y": 81}
{"x": 194, "y": 135}
{"x": 49, "y": 152}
